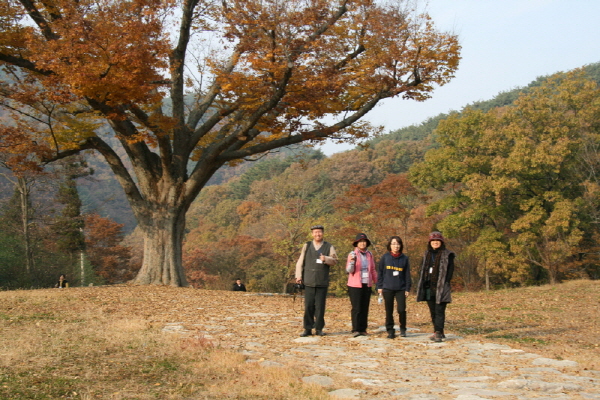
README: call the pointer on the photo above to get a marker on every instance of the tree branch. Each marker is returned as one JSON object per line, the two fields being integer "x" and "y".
{"x": 234, "y": 154}
{"x": 204, "y": 105}
{"x": 113, "y": 160}
{"x": 39, "y": 19}
{"x": 177, "y": 60}
{"x": 162, "y": 137}
{"x": 137, "y": 150}
{"x": 23, "y": 63}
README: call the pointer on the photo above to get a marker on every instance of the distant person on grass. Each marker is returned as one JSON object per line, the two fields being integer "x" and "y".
{"x": 238, "y": 286}
{"x": 434, "y": 282}
{"x": 360, "y": 267}
{"x": 62, "y": 282}
{"x": 393, "y": 282}
{"x": 312, "y": 270}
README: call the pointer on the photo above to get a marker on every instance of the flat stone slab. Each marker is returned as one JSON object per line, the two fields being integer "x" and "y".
{"x": 268, "y": 363}
{"x": 471, "y": 378}
{"x": 359, "y": 364}
{"x": 512, "y": 351}
{"x": 308, "y": 339}
{"x": 368, "y": 382}
{"x": 482, "y": 392}
{"x": 554, "y": 363}
{"x": 592, "y": 396}
{"x": 174, "y": 328}
{"x": 251, "y": 345}
{"x": 320, "y": 380}
{"x": 538, "y": 385}
{"x": 345, "y": 394}
{"x": 469, "y": 385}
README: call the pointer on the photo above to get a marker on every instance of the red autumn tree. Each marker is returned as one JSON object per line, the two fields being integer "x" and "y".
{"x": 185, "y": 87}
{"x": 381, "y": 210}
{"x": 107, "y": 255}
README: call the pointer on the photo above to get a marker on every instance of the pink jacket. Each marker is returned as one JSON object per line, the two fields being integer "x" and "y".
{"x": 354, "y": 277}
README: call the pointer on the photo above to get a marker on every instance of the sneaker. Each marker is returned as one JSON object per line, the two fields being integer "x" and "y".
{"x": 355, "y": 334}
{"x": 391, "y": 335}
{"x": 402, "y": 332}
{"x": 437, "y": 337}
{"x": 307, "y": 332}
{"x": 320, "y": 333}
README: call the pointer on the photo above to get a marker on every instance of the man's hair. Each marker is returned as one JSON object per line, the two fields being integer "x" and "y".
{"x": 321, "y": 227}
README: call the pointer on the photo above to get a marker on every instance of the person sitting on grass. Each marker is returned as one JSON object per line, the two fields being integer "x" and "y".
{"x": 62, "y": 282}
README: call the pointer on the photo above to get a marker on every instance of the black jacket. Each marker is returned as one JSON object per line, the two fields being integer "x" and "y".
{"x": 385, "y": 273}
{"x": 240, "y": 288}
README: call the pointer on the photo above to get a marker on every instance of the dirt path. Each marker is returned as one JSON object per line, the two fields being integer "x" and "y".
{"x": 266, "y": 328}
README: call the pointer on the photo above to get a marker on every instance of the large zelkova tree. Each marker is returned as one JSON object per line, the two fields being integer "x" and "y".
{"x": 189, "y": 86}
{"x": 521, "y": 178}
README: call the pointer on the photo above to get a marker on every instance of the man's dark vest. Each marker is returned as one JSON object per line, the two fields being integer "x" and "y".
{"x": 316, "y": 275}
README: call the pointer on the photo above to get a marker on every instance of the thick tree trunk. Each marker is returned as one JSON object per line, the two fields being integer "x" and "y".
{"x": 287, "y": 275}
{"x": 163, "y": 237}
{"x": 553, "y": 274}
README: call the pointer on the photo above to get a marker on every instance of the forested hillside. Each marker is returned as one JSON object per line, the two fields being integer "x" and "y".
{"x": 519, "y": 208}
{"x": 512, "y": 182}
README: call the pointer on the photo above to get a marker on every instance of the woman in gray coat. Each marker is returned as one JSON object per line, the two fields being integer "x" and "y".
{"x": 434, "y": 282}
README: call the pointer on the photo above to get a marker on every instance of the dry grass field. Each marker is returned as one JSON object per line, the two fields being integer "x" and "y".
{"x": 560, "y": 321}
{"x": 109, "y": 343}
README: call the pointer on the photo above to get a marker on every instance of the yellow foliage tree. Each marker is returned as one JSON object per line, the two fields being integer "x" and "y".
{"x": 521, "y": 177}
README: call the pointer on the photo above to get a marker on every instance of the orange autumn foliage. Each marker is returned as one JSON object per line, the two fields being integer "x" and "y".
{"x": 107, "y": 255}
{"x": 187, "y": 87}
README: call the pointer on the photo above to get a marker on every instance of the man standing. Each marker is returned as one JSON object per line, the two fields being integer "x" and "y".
{"x": 312, "y": 269}
{"x": 238, "y": 286}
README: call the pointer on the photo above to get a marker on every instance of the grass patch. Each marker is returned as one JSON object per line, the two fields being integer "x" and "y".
{"x": 475, "y": 330}
{"x": 517, "y": 339}
{"x": 477, "y": 316}
{"x": 21, "y": 386}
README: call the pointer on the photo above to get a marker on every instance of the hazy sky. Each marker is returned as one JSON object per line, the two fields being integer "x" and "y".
{"x": 505, "y": 44}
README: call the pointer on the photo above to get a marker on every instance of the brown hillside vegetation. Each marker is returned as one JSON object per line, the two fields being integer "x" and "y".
{"x": 110, "y": 342}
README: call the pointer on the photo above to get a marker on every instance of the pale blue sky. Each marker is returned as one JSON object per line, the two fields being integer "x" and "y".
{"x": 505, "y": 44}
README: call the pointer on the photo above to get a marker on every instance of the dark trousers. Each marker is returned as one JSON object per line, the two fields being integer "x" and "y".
{"x": 360, "y": 298}
{"x": 388, "y": 299}
{"x": 438, "y": 314}
{"x": 314, "y": 307}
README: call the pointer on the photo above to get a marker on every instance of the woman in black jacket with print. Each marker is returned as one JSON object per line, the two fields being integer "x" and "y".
{"x": 393, "y": 282}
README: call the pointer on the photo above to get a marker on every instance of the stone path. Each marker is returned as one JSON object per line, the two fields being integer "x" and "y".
{"x": 374, "y": 367}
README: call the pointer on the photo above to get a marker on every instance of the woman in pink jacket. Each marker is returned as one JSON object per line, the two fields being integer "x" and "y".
{"x": 361, "y": 276}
